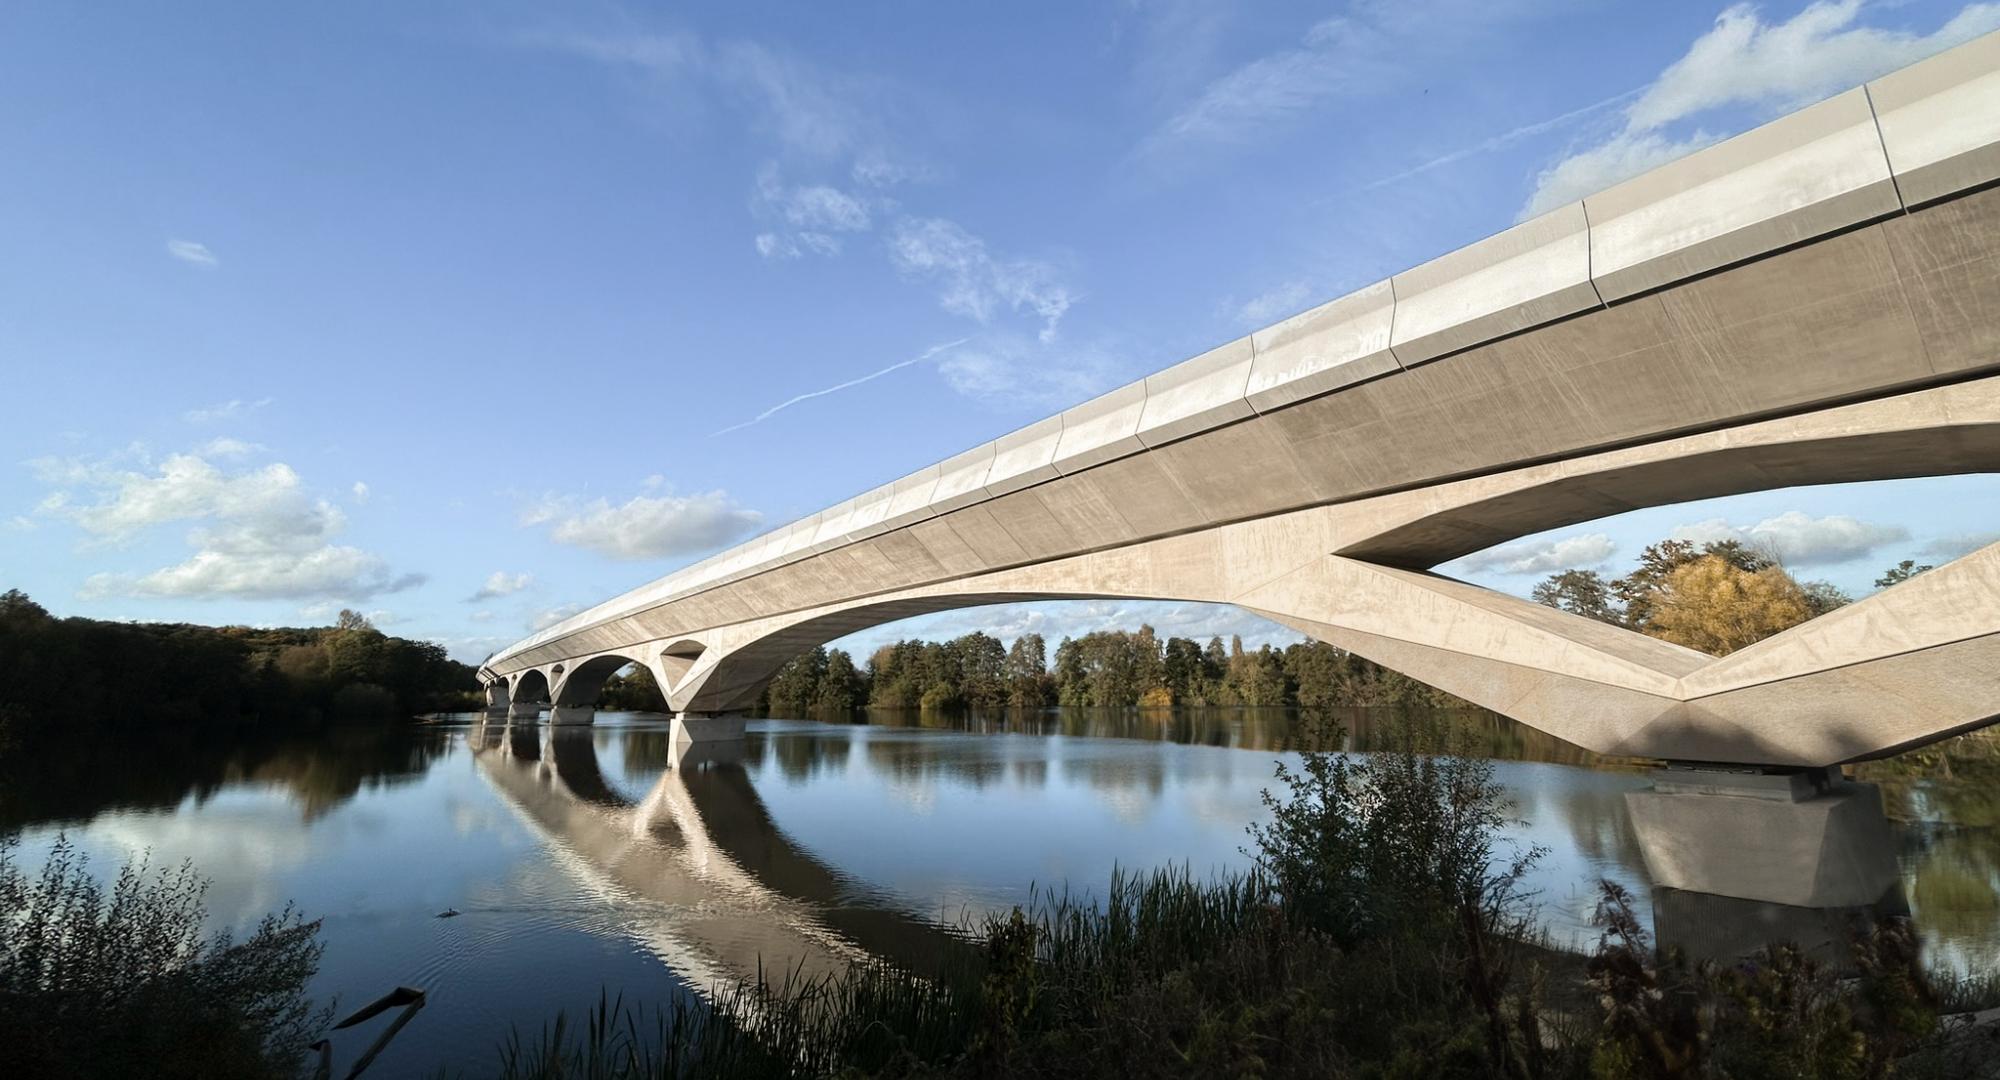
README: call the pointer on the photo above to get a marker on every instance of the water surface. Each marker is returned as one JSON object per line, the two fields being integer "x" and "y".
{"x": 581, "y": 859}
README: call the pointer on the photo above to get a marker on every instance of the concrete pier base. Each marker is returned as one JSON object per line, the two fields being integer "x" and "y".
{"x": 572, "y": 714}
{"x": 1742, "y": 860}
{"x": 702, "y": 728}
{"x": 1803, "y": 839}
{"x": 524, "y": 710}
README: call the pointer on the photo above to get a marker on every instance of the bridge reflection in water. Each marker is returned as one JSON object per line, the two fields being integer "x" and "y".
{"x": 716, "y": 890}
{"x": 720, "y": 893}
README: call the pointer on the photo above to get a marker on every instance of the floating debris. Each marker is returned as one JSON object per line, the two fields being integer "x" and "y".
{"x": 447, "y": 913}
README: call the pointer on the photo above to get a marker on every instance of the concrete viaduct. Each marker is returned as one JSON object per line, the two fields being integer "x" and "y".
{"x": 1814, "y": 301}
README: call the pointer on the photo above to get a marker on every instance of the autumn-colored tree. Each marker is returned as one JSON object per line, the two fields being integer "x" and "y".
{"x": 1712, "y": 605}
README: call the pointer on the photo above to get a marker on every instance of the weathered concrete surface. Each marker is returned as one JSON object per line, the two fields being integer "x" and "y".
{"x": 1828, "y": 850}
{"x": 1777, "y": 309}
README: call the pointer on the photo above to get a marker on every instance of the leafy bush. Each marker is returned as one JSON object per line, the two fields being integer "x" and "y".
{"x": 122, "y": 983}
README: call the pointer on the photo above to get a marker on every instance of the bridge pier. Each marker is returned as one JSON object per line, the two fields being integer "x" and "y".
{"x": 524, "y": 710}
{"x": 1741, "y": 858}
{"x": 572, "y": 714}
{"x": 707, "y": 727}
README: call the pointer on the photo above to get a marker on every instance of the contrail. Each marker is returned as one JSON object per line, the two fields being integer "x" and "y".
{"x": 789, "y": 402}
{"x": 1500, "y": 140}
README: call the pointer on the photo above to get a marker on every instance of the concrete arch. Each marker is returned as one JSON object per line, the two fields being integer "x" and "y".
{"x": 528, "y": 693}
{"x": 1869, "y": 680}
{"x": 573, "y": 699}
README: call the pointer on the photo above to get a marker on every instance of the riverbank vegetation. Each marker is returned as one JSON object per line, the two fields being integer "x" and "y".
{"x": 98, "y": 982}
{"x": 1106, "y": 669}
{"x": 1714, "y": 598}
{"x": 1382, "y": 933}
{"x": 75, "y": 679}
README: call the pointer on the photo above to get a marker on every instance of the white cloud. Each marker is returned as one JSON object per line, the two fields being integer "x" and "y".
{"x": 482, "y": 615}
{"x": 226, "y": 410}
{"x": 1376, "y": 47}
{"x": 360, "y": 491}
{"x": 1743, "y": 61}
{"x": 226, "y": 447}
{"x": 1009, "y": 370}
{"x": 807, "y": 111}
{"x": 1270, "y": 306}
{"x": 1799, "y": 540}
{"x": 814, "y": 216}
{"x": 545, "y": 619}
{"x": 1542, "y": 556}
{"x": 1946, "y": 548}
{"x": 835, "y": 388}
{"x": 192, "y": 253}
{"x": 260, "y": 535}
{"x": 974, "y": 283}
{"x": 644, "y": 527}
{"x": 500, "y": 583}
{"x": 324, "y": 571}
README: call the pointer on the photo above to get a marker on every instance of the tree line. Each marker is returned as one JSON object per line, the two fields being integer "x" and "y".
{"x": 1105, "y": 669}
{"x": 78, "y": 678}
{"x": 1714, "y": 598}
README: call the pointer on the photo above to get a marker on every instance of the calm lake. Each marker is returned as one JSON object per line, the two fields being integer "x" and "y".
{"x": 581, "y": 859}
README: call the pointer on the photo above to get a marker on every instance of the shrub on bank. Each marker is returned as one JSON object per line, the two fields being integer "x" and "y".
{"x": 97, "y": 983}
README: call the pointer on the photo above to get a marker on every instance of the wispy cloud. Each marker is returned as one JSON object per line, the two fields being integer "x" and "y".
{"x": 1373, "y": 48}
{"x": 1274, "y": 303}
{"x": 1799, "y": 539}
{"x": 500, "y": 583}
{"x": 808, "y": 218}
{"x": 1542, "y": 556}
{"x": 227, "y": 410}
{"x": 1743, "y": 61}
{"x": 1501, "y": 141}
{"x": 645, "y": 526}
{"x": 192, "y": 253}
{"x": 1947, "y": 548}
{"x": 973, "y": 282}
{"x": 899, "y": 365}
{"x": 1011, "y": 370}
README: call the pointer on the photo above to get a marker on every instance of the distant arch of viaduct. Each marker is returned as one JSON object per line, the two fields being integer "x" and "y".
{"x": 1815, "y": 301}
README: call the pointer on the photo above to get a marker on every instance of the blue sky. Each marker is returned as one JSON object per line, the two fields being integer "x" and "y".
{"x": 470, "y": 315}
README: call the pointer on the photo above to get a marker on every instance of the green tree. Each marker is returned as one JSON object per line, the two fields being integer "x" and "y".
{"x": 1028, "y": 683}
{"x": 1824, "y": 596}
{"x": 841, "y": 687}
{"x": 982, "y": 674}
{"x": 1579, "y": 592}
{"x": 1181, "y": 671}
{"x": 1901, "y": 572}
{"x": 795, "y": 688}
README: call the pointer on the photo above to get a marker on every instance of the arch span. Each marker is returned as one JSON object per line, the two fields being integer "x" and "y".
{"x": 1865, "y": 681}
{"x": 1790, "y": 306}
{"x": 528, "y": 693}
{"x": 574, "y": 697}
